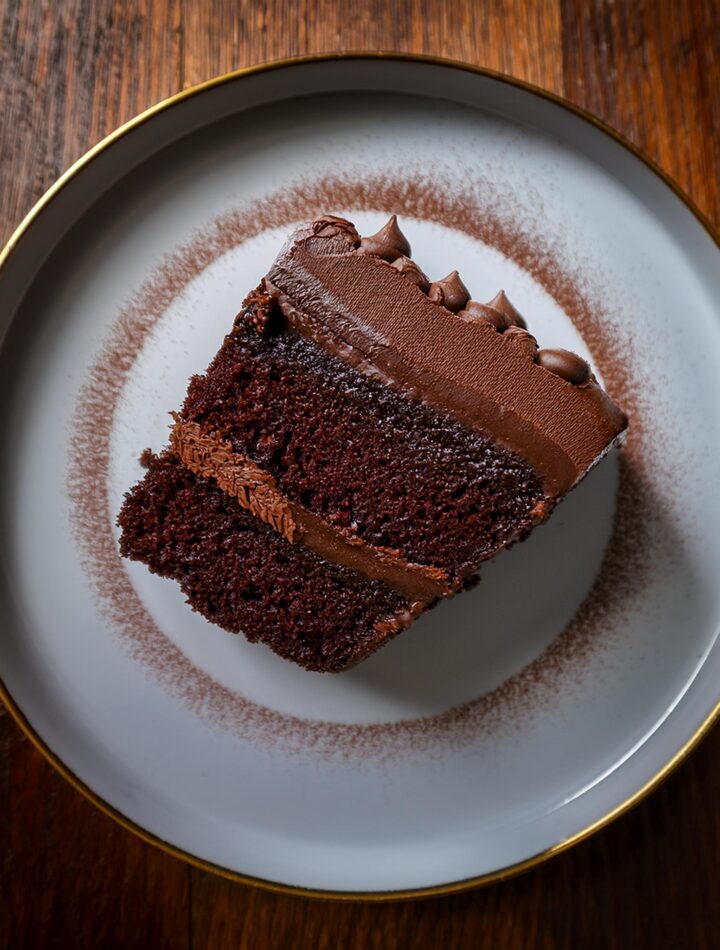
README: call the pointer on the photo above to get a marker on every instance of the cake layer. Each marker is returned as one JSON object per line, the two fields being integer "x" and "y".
{"x": 210, "y": 457}
{"x": 392, "y": 473}
{"x": 243, "y": 575}
{"x": 346, "y": 295}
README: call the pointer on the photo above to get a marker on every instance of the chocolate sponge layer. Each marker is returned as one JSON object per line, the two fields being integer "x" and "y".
{"x": 245, "y": 577}
{"x": 397, "y": 473}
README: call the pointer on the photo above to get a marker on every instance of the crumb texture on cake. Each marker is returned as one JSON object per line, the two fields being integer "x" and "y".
{"x": 397, "y": 474}
{"x": 214, "y": 459}
{"x": 243, "y": 576}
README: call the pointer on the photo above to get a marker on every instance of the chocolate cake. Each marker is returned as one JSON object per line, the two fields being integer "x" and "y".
{"x": 363, "y": 440}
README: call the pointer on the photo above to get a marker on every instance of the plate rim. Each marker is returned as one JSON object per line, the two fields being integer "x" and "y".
{"x": 54, "y": 759}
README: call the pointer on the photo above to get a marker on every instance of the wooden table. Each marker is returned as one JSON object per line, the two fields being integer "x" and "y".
{"x": 72, "y": 70}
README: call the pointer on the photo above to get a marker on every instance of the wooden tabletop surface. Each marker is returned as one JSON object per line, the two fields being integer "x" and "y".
{"x": 70, "y": 72}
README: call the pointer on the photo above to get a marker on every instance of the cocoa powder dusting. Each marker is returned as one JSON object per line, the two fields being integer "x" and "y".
{"x": 491, "y": 219}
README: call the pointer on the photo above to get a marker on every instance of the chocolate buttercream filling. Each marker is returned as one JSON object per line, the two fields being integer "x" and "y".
{"x": 365, "y": 313}
{"x": 210, "y": 457}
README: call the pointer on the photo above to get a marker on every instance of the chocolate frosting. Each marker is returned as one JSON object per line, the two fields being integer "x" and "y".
{"x": 409, "y": 269}
{"x": 480, "y": 311}
{"x": 524, "y": 341}
{"x": 210, "y": 457}
{"x": 254, "y": 489}
{"x": 330, "y": 225}
{"x": 450, "y": 292}
{"x": 565, "y": 364}
{"x": 513, "y": 317}
{"x": 389, "y": 243}
{"x": 362, "y": 311}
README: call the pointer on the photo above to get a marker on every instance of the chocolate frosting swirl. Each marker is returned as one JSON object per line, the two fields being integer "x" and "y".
{"x": 389, "y": 243}
{"x": 450, "y": 292}
{"x": 406, "y": 267}
{"x": 330, "y": 225}
{"x": 513, "y": 317}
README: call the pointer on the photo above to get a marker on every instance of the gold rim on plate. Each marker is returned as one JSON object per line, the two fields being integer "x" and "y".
{"x": 53, "y": 758}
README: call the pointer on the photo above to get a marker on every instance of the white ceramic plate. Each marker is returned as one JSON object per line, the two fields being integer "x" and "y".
{"x": 508, "y": 722}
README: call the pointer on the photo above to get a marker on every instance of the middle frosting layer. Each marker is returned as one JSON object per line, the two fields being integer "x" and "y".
{"x": 210, "y": 457}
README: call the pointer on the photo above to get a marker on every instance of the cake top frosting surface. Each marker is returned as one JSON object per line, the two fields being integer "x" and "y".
{"x": 368, "y": 302}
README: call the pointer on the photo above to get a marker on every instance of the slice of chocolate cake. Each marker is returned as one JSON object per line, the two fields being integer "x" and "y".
{"x": 362, "y": 441}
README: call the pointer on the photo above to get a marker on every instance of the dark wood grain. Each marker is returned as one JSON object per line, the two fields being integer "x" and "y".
{"x": 70, "y": 72}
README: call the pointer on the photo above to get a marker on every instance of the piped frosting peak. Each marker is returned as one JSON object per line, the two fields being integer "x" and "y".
{"x": 389, "y": 243}
{"x": 450, "y": 292}
{"x": 513, "y": 317}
